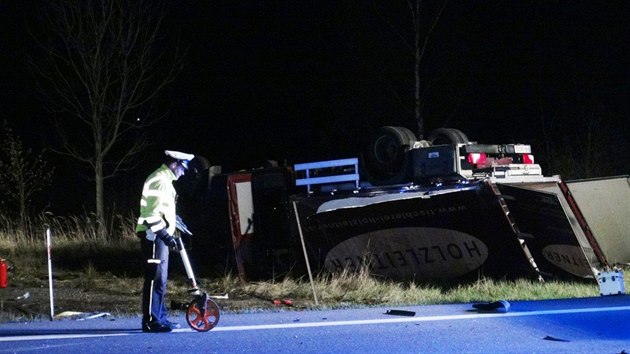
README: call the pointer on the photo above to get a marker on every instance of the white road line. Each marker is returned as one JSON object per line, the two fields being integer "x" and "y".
{"x": 59, "y": 336}
{"x": 333, "y": 323}
{"x": 420, "y": 319}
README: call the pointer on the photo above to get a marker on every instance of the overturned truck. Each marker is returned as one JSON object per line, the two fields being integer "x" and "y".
{"x": 441, "y": 208}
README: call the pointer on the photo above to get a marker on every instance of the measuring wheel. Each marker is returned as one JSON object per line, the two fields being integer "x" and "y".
{"x": 202, "y": 314}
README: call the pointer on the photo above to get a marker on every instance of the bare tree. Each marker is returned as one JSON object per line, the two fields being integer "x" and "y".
{"x": 103, "y": 65}
{"x": 22, "y": 173}
{"x": 417, "y": 46}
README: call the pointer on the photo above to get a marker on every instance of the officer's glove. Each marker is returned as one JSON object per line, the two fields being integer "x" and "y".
{"x": 166, "y": 238}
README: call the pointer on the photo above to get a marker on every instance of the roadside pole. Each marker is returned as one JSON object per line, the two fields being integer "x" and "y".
{"x": 308, "y": 266}
{"x": 50, "y": 277}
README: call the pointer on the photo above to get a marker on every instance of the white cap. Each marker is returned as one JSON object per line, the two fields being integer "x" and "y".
{"x": 182, "y": 157}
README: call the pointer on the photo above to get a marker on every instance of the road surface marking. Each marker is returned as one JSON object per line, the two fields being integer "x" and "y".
{"x": 418, "y": 319}
{"x": 327, "y": 323}
{"x": 59, "y": 336}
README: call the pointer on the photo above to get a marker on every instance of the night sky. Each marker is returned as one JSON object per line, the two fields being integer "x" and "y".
{"x": 311, "y": 80}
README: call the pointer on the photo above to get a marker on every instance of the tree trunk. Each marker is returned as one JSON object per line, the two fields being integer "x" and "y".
{"x": 100, "y": 199}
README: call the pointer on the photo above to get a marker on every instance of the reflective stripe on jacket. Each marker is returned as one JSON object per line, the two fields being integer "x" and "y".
{"x": 157, "y": 205}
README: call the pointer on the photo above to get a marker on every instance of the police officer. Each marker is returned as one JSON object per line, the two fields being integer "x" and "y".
{"x": 155, "y": 228}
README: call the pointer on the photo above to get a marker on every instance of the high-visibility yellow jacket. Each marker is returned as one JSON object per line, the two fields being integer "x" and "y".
{"x": 157, "y": 206}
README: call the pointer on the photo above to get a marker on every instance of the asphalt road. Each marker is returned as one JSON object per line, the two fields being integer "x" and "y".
{"x": 593, "y": 325}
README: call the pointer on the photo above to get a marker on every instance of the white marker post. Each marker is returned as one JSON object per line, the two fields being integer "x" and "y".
{"x": 50, "y": 277}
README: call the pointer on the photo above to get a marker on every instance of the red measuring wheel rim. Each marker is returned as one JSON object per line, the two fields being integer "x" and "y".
{"x": 202, "y": 323}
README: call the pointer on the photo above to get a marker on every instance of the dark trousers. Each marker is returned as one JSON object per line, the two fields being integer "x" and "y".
{"x": 155, "y": 277}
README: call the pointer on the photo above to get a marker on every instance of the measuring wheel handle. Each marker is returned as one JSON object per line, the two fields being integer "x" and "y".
{"x": 202, "y": 314}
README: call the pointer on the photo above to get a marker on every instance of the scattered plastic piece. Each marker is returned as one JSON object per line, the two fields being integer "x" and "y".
{"x": 556, "y": 339}
{"x": 500, "y": 306}
{"x": 400, "y": 313}
{"x": 94, "y": 315}
{"x": 67, "y": 314}
{"x": 80, "y": 316}
{"x": 287, "y": 302}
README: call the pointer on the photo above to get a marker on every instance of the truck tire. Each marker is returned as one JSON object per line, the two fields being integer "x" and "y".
{"x": 386, "y": 158}
{"x": 443, "y": 136}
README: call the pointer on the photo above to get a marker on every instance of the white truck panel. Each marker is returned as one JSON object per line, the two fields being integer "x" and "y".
{"x": 605, "y": 204}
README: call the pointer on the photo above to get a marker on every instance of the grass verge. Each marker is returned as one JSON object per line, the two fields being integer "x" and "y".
{"x": 103, "y": 275}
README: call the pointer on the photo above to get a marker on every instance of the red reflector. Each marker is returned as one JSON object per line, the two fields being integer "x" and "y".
{"x": 476, "y": 158}
{"x": 528, "y": 158}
